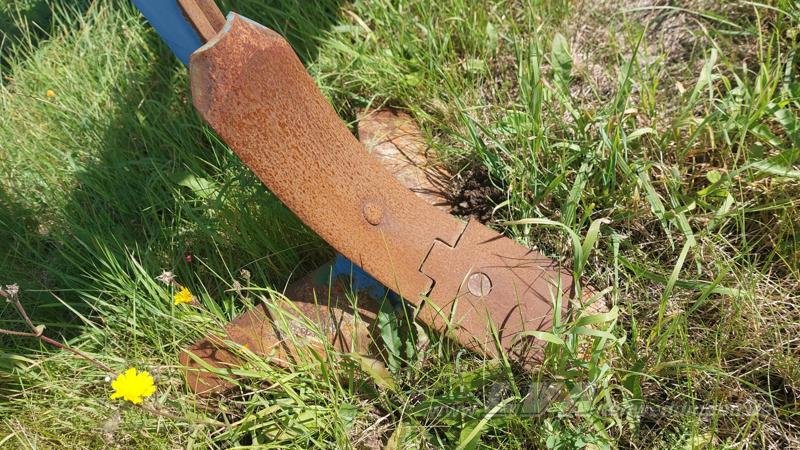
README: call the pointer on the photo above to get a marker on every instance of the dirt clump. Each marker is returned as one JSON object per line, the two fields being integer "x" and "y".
{"x": 475, "y": 195}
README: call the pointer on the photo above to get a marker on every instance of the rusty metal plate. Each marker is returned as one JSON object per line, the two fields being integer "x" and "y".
{"x": 248, "y": 84}
{"x": 320, "y": 313}
{"x": 490, "y": 289}
{"x": 394, "y": 139}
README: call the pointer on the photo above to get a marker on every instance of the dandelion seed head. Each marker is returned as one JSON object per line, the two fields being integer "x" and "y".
{"x": 166, "y": 277}
{"x": 10, "y": 292}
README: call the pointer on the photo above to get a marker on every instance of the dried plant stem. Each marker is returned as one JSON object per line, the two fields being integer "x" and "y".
{"x": 12, "y": 296}
{"x": 59, "y": 345}
{"x": 22, "y": 312}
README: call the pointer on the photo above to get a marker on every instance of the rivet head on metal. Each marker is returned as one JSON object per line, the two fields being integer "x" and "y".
{"x": 372, "y": 213}
{"x": 479, "y": 284}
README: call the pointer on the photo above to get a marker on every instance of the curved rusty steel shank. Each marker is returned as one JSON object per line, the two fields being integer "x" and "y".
{"x": 249, "y": 85}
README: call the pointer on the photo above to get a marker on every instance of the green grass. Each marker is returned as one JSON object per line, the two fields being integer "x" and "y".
{"x": 679, "y": 127}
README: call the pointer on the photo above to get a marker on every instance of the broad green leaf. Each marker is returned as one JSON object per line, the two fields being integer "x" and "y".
{"x": 468, "y": 439}
{"x": 200, "y": 187}
{"x": 389, "y": 327}
{"x": 542, "y": 335}
{"x": 376, "y": 370}
{"x": 598, "y": 318}
{"x": 592, "y": 235}
{"x": 636, "y": 134}
{"x": 587, "y": 331}
{"x": 561, "y": 61}
{"x": 706, "y": 77}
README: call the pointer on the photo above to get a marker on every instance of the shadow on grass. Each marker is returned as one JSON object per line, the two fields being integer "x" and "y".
{"x": 25, "y": 24}
{"x": 163, "y": 191}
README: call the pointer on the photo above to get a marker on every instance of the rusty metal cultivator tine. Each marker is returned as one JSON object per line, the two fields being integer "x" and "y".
{"x": 348, "y": 325}
{"x": 248, "y": 84}
{"x": 485, "y": 289}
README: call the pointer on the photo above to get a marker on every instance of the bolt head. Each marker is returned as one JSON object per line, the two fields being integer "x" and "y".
{"x": 479, "y": 284}
{"x": 372, "y": 213}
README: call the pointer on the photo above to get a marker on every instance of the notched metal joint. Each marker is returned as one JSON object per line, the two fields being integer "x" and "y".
{"x": 487, "y": 284}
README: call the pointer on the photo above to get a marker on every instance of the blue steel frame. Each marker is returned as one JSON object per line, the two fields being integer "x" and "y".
{"x": 169, "y": 22}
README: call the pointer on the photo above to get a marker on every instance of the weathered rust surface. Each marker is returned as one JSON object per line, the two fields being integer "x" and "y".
{"x": 248, "y": 84}
{"x": 321, "y": 313}
{"x": 486, "y": 275}
{"x": 395, "y": 140}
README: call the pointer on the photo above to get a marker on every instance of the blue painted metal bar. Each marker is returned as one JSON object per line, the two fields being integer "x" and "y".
{"x": 360, "y": 281}
{"x": 168, "y": 20}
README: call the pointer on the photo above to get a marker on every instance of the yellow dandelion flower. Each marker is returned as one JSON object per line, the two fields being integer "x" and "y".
{"x": 183, "y": 296}
{"x": 133, "y": 386}
{"x": 51, "y": 93}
